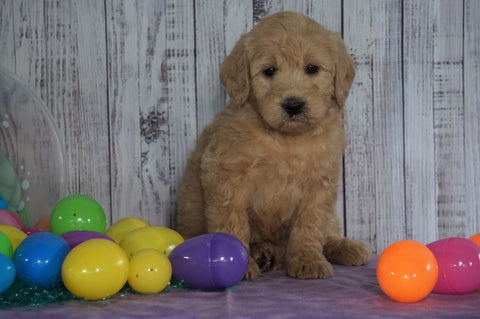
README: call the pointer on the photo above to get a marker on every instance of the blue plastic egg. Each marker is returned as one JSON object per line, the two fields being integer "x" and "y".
{"x": 7, "y": 271}
{"x": 3, "y": 203}
{"x": 39, "y": 257}
{"x": 210, "y": 262}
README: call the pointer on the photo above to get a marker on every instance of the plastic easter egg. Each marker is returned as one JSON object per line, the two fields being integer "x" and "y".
{"x": 150, "y": 271}
{"x": 5, "y": 246}
{"x": 77, "y": 212}
{"x": 3, "y": 203}
{"x": 76, "y": 237}
{"x": 122, "y": 227}
{"x": 15, "y": 235}
{"x": 7, "y": 269}
{"x": 95, "y": 269}
{"x": 211, "y": 261}
{"x": 32, "y": 230}
{"x": 476, "y": 239}
{"x": 38, "y": 259}
{"x": 43, "y": 224}
{"x": 160, "y": 238}
{"x": 458, "y": 265}
{"x": 407, "y": 271}
{"x": 8, "y": 217}
{"x": 170, "y": 238}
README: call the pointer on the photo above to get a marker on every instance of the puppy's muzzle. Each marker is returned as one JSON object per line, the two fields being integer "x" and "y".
{"x": 293, "y": 105}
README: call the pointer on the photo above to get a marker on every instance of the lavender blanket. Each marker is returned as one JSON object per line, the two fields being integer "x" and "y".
{"x": 352, "y": 293}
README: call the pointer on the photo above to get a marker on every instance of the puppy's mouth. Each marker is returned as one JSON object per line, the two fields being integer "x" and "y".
{"x": 293, "y": 107}
{"x": 295, "y": 110}
{"x": 289, "y": 115}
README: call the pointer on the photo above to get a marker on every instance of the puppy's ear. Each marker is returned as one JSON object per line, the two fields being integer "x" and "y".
{"x": 234, "y": 73}
{"x": 345, "y": 72}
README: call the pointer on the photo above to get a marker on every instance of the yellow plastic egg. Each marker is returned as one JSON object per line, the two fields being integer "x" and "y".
{"x": 15, "y": 235}
{"x": 170, "y": 238}
{"x": 95, "y": 269}
{"x": 150, "y": 271}
{"x": 122, "y": 227}
{"x": 160, "y": 238}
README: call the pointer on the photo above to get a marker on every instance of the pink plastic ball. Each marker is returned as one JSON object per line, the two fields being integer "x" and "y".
{"x": 458, "y": 265}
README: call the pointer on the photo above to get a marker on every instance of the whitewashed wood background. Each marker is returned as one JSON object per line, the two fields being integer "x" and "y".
{"x": 132, "y": 83}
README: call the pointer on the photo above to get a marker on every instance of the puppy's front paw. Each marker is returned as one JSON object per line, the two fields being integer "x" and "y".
{"x": 253, "y": 271}
{"x": 303, "y": 268}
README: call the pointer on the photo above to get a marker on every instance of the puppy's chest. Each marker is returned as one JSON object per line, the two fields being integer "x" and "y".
{"x": 282, "y": 177}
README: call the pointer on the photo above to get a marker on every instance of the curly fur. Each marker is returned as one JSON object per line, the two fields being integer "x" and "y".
{"x": 268, "y": 175}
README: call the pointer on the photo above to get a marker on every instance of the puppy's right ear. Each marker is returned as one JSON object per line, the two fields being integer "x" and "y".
{"x": 234, "y": 73}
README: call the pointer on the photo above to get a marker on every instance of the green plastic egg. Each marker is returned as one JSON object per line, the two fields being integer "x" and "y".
{"x": 5, "y": 245}
{"x": 77, "y": 212}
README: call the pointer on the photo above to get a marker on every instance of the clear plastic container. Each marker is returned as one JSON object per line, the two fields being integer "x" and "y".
{"x": 33, "y": 175}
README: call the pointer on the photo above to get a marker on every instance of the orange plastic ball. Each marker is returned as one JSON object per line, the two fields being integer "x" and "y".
{"x": 407, "y": 271}
{"x": 476, "y": 239}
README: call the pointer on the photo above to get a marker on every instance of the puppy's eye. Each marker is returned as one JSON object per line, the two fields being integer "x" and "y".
{"x": 311, "y": 69}
{"x": 270, "y": 71}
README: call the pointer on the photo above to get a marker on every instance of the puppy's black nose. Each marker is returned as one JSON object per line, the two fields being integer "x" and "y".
{"x": 293, "y": 105}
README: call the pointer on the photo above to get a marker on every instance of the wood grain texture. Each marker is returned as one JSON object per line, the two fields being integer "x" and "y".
{"x": 7, "y": 36}
{"x": 238, "y": 19}
{"x": 420, "y": 195}
{"x": 30, "y": 44}
{"x": 124, "y": 109}
{"x": 181, "y": 101}
{"x": 388, "y": 122}
{"x": 218, "y": 27}
{"x": 359, "y": 170}
{"x": 210, "y": 52}
{"x": 326, "y": 12}
{"x": 155, "y": 116}
{"x": 472, "y": 112}
{"x": 132, "y": 83}
{"x": 75, "y": 61}
{"x": 153, "y": 109}
{"x": 449, "y": 119}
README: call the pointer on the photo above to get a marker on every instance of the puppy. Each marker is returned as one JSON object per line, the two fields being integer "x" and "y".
{"x": 267, "y": 169}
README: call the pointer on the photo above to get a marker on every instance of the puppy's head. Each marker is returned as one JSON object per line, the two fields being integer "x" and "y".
{"x": 291, "y": 70}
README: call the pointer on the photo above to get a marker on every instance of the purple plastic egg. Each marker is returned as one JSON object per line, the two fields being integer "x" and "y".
{"x": 210, "y": 262}
{"x": 76, "y": 237}
{"x": 458, "y": 265}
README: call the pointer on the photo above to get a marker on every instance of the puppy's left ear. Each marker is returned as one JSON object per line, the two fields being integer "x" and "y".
{"x": 344, "y": 73}
{"x": 235, "y": 74}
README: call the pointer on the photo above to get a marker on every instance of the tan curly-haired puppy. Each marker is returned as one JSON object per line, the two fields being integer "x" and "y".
{"x": 267, "y": 169}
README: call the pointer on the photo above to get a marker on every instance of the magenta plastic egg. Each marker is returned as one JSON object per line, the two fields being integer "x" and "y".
{"x": 458, "y": 265}
{"x": 32, "y": 230}
{"x": 209, "y": 262}
{"x": 73, "y": 238}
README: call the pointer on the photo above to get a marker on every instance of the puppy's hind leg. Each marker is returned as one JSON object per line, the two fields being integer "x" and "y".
{"x": 345, "y": 251}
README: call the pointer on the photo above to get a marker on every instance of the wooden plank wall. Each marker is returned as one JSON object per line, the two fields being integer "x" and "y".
{"x": 132, "y": 83}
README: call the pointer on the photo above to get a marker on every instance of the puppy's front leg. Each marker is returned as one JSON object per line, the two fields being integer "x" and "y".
{"x": 226, "y": 212}
{"x": 304, "y": 258}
